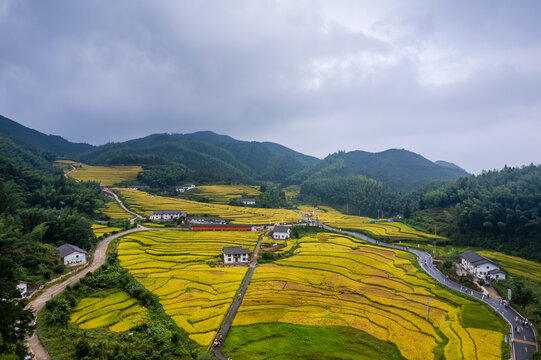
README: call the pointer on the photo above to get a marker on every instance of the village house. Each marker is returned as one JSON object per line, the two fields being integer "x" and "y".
{"x": 281, "y": 232}
{"x": 185, "y": 187}
{"x": 138, "y": 187}
{"x": 206, "y": 220}
{"x": 236, "y": 254}
{"x": 72, "y": 255}
{"x": 247, "y": 201}
{"x": 481, "y": 267}
{"x": 167, "y": 215}
{"x": 22, "y": 286}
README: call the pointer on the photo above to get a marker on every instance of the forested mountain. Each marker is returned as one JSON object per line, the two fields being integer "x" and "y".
{"x": 208, "y": 155}
{"x": 398, "y": 169}
{"x": 497, "y": 209}
{"x": 38, "y": 141}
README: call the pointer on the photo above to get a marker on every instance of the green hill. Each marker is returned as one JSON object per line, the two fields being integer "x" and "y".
{"x": 36, "y": 140}
{"x": 399, "y": 169}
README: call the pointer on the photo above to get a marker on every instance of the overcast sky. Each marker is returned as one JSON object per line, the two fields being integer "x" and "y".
{"x": 455, "y": 80}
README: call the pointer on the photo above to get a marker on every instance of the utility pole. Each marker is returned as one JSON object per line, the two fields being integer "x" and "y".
{"x": 427, "y": 308}
{"x": 435, "y": 229}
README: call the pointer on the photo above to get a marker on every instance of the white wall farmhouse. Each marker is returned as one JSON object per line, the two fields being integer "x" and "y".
{"x": 236, "y": 254}
{"x": 72, "y": 255}
{"x": 480, "y": 266}
{"x": 281, "y": 232}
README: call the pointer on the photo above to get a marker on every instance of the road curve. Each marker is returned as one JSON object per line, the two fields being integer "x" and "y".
{"x": 112, "y": 194}
{"x": 37, "y": 304}
{"x": 525, "y": 342}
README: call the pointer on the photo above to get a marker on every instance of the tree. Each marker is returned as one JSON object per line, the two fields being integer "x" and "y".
{"x": 522, "y": 295}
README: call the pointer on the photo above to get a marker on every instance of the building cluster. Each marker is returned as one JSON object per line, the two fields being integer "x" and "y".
{"x": 167, "y": 215}
{"x": 184, "y": 187}
{"x": 247, "y": 201}
{"x": 481, "y": 267}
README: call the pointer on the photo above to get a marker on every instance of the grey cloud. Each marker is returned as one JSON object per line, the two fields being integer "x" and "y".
{"x": 452, "y": 81}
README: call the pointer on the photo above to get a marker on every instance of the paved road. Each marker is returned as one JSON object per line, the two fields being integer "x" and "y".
{"x": 233, "y": 313}
{"x": 525, "y": 338}
{"x": 37, "y": 304}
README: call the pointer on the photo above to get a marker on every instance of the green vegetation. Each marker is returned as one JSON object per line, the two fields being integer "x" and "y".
{"x": 479, "y": 317}
{"x": 104, "y": 333}
{"x": 286, "y": 341}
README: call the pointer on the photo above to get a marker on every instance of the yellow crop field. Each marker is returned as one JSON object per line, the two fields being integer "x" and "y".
{"x": 114, "y": 211}
{"x": 104, "y": 175}
{"x": 173, "y": 266}
{"x": 391, "y": 230}
{"x": 337, "y": 280}
{"x": 117, "y": 311}
{"x": 515, "y": 265}
{"x": 144, "y": 203}
{"x": 99, "y": 230}
{"x": 221, "y": 194}
{"x": 292, "y": 190}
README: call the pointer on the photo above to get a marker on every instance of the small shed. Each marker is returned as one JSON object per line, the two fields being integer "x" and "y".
{"x": 236, "y": 254}
{"x": 281, "y": 232}
{"x": 72, "y": 255}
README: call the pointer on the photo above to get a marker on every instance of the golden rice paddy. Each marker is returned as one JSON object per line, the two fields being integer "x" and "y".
{"x": 115, "y": 212}
{"x": 337, "y": 280}
{"x": 173, "y": 265}
{"x": 144, "y": 203}
{"x": 117, "y": 311}
{"x": 389, "y": 230}
{"x": 99, "y": 230}
{"x": 104, "y": 175}
{"x": 221, "y": 194}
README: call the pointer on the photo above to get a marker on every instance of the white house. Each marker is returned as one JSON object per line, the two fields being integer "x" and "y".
{"x": 236, "y": 254}
{"x": 72, "y": 255}
{"x": 185, "y": 187}
{"x": 247, "y": 201}
{"x": 481, "y": 267}
{"x": 206, "y": 220}
{"x": 166, "y": 215}
{"x": 22, "y": 286}
{"x": 281, "y": 232}
{"x": 138, "y": 187}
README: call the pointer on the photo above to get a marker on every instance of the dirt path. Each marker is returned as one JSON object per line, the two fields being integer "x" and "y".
{"x": 38, "y": 303}
{"x": 115, "y": 196}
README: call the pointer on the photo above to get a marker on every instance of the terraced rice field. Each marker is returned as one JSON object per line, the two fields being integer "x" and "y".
{"x": 144, "y": 203}
{"x": 117, "y": 311}
{"x": 334, "y": 280}
{"x": 104, "y": 175}
{"x": 99, "y": 230}
{"x": 515, "y": 265}
{"x": 115, "y": 212}
{"x": 391, "y": 230}
{"x": 221, "y": 194}
{"x": 173, "y": 265}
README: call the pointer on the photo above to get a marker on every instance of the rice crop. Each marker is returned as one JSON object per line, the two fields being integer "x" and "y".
{"x": 383, "y": 229}
{"x": 99, "y": 230}
{"x": 117, "y": 311}
{"x": 105, "y": 175}
{"x": 221, "y": 194}
{"x": 515, "y": 265}
{"x": 174, "y": 265}
{"x": 115, "y": 212}
{"x": 334, "y": 280}
{"x": 144, "y": 203}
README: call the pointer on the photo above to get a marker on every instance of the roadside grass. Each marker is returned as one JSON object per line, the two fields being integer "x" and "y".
{"x": 279, "y": 341}
{"x": 479, "y": 317}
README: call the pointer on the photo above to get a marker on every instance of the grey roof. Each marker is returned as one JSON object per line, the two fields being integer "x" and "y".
{"x": 161, "y": 212}
{"x": 281, "y": 229}
{"x": 475, "y": 259}
{"x": 67, "y": 249}
{"x": 232, "y": 250}
{"x": 495, "y": 271}
{"x": 246, "y": 199}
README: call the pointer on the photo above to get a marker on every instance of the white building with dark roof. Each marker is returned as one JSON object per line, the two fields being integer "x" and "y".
{"x": 72, "y": 255}
{"x": 481, "y": 267}
{"x": 236, "y": 255}
{"x": 247, "y": 201}
{"x": 281, "y": 232}
{"x": 166, "y": 215}
{"x": 185, "y": 187}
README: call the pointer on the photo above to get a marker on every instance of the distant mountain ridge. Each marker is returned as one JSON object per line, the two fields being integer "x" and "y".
{"x": 221, "y": 158}
{"x": 398, "y": 169}
{"x": 37, "y": 140}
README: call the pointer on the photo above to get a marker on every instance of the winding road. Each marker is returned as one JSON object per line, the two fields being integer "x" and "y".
{"x": 38, "y": 303}
{"x": 524, "y": 342}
